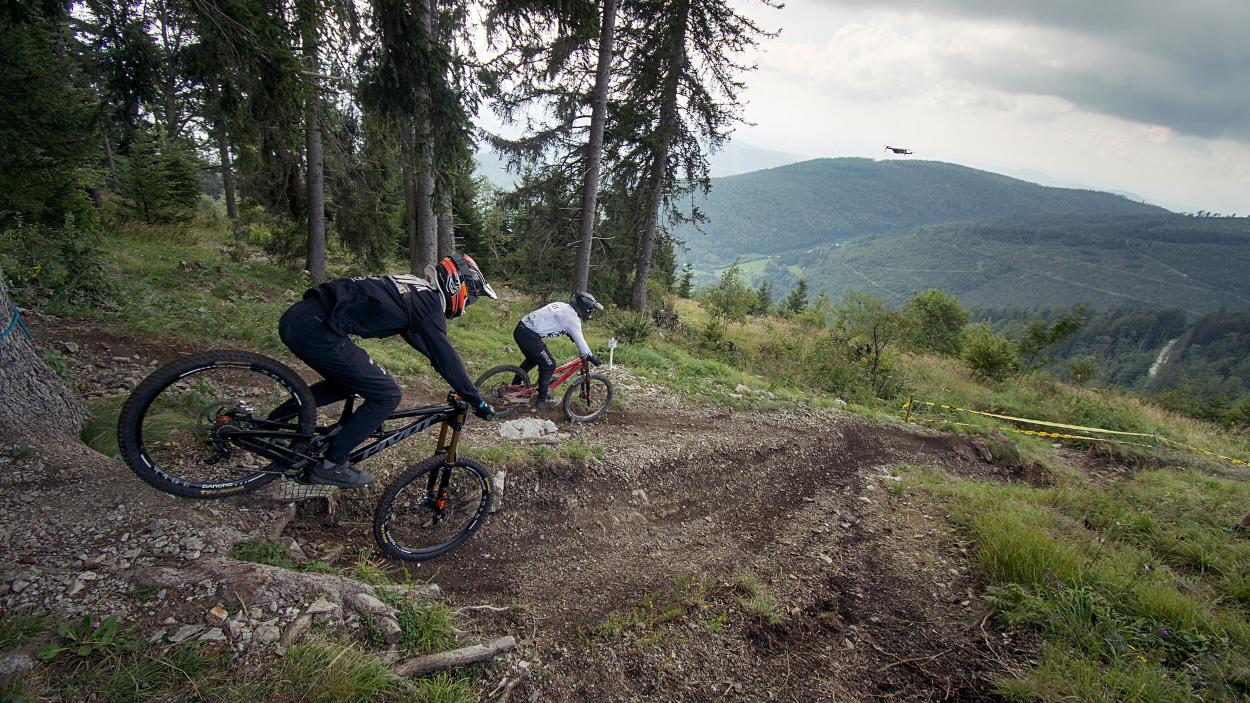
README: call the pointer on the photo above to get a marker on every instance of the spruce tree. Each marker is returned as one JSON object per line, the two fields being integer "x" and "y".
{"x": 681, "y": 82}
{"x": 796, "y": 301}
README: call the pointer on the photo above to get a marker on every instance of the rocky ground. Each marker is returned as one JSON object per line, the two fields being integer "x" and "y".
{"x": 707, "y": 555}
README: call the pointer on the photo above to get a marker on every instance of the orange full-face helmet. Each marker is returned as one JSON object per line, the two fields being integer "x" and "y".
{"x": 461, "y": 282}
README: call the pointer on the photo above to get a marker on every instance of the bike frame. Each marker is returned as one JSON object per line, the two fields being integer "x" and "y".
{"x": 452, "y": 416}
{"x": 560, "y": 375}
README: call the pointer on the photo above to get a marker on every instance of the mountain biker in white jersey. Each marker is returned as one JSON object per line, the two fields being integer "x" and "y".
{"x": 553, "y": 320}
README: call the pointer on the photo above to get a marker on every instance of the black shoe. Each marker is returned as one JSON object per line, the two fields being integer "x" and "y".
{"x": 343, "y": 475}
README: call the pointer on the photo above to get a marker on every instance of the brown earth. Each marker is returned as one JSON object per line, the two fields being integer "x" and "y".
{"x": 625, "y": 577}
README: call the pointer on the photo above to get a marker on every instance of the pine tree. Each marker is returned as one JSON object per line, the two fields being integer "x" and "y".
{"x": 763, "y": 299}
{"x": 681, "y": 84}
{"x": 684, "y": 287}
{"x": 594, "y": 147}
{"x": 796, "y": 301}
{"x": 48, "y": 137}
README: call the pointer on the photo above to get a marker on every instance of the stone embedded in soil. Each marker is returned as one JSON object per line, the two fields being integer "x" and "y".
{"x": 498, "y": 481}
{"x": 297, "y": 629}
{"x": 185, "y": 633}
{"x": 321, "y": 605}
{"x": 217, "y": 615}
{"x": 267, "y": 634}
{"x": 366, "y": 603}
{"x": 528, "y": 428}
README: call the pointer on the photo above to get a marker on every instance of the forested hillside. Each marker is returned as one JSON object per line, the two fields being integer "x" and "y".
{"x": 829, "y": 200}
{"x": 1162, "y": 260}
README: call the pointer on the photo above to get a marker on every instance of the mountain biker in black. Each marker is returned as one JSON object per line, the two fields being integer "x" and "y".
{"x": 316, "y": 330}
{"x": 553, "y": 320}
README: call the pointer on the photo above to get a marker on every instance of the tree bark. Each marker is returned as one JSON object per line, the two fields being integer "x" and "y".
{"x": 594, "y": 148}
{"x": 427, "y": 234}
{"x": 410, "y": 197}
{"x": 659, "y": 166}
{"x": 446, "y": 225}
{"x": 314, "y": 155}
{"x": 32, "y": 397}
{"x": 227, "y": 173}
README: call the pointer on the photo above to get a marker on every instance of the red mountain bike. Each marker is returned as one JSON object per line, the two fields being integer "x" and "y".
{"x": 508, "y": 388}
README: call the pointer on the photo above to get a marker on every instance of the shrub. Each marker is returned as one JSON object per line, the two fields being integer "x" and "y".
{"x": 990, "y": 356}
{"x": 937, "y": 322}
{"x": 731, "y": 298}
{"x": 53, "y": 267}
{"x": 630, "y": 326}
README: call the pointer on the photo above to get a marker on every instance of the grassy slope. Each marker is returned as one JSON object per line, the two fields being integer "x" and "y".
{"x": 1136, "y": 588}
{"x": 219, "y": 299}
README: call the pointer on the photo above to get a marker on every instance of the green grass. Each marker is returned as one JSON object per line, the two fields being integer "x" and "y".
{"x": 320, "y": 670}
{"x": 236, "y": 298}
{"x": 261, "y": 551}
{"x": 427, "y": 627}
{"x": 755, "y": 600}
{"x": 1137, "y": 588}
{"x": 18, "y": 628}
{"x": 689, "y": 599}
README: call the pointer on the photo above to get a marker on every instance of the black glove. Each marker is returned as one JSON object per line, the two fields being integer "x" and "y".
{"x": 594, "y": 360}
{"x": 484, "y": 410}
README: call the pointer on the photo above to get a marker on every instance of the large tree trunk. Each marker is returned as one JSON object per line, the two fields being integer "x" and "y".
{"x": 659, "y": 180}
{"x": 32, "y": 397}
{"x": 315, "y": 158}
{"x": 594, "y": 149}
{"x": 446, "y": 224}
{"x": 427, "y": 228}
{"x": 227, "y": 173}
{"x": 410, "y": 197}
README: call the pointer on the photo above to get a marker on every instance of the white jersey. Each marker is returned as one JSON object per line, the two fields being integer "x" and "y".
{"x": 555, "y": 319}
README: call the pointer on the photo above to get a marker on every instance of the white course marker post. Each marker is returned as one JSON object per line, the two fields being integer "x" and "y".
{"x": 611, "y": 351}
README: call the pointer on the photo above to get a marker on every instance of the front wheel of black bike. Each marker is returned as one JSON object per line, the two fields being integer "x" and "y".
{"x": 184, "y": 429}
{"x": 432, "y": 508}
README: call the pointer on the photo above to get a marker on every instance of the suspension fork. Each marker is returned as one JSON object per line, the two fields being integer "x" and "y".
{"x": 436, "y": 485}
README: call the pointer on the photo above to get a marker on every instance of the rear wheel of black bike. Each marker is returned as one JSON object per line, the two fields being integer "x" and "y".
{"x": 587, "y": 398}
{"x": 432, "y": 508}
{"x": 177, "y": 430}
{"x": 498, "y": 388}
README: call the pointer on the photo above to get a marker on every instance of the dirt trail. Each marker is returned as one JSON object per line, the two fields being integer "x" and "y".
{"x": 624, "y": 575}
{"x": 874, "y": 590}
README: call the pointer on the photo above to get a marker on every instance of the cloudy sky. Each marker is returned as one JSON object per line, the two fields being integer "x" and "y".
{"x": 1150, "y": 97}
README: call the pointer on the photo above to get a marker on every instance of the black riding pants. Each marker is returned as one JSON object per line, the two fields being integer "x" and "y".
{"x": 536, "y": 354}
{"x": 347, "y": 369}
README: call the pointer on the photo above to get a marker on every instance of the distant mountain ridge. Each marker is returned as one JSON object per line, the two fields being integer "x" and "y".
{"x": 895, "y": 227}
{"x": 830, "y": 200}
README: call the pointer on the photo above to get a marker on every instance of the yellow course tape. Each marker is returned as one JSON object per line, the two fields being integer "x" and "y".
{"x": 1042, "y": 423}
{"x": 1158, "y": 439}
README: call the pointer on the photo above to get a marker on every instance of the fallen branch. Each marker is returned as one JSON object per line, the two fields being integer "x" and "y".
{"x": 912, "y": 661}
{"x": 470, "y": 608}
{"x": 456, "y": 657}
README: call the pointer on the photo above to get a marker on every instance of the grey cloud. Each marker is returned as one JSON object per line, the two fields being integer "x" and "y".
{"x": 1184, "y": 65}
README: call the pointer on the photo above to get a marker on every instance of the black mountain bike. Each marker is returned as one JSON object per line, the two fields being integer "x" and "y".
{"x": 216, "y": 424}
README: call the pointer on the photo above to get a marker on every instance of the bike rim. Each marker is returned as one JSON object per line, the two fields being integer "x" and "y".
{"x": 421, "y": 523}
{"x": 501, "y": 392}
{"x": 588, "y": 397}
{"x": 189, "y": 432}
